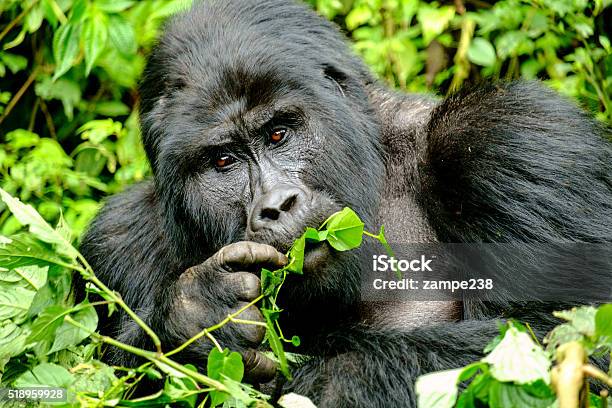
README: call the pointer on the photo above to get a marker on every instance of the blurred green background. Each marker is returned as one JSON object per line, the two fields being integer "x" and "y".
{"x": 69, "y": 68}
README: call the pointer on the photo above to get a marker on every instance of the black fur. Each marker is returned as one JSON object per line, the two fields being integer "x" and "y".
{"x": 505, "y": 162}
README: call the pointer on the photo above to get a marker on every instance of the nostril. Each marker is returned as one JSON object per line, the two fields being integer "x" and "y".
{"x": 270, "y": 214}
{"x": 274, "y": 206}
{"x": 286, "y": 206}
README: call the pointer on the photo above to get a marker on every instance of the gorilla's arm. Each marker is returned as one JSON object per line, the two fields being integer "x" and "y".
{"x": 515, "y": 162}
{"x": 127, "y": 246}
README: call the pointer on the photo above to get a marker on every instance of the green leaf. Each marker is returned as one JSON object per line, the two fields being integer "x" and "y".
{"x": 45, "y": 375}
{"x": 24, "y": 250}
{"x": 581, "y": 318}
{"x": 14, "y": 62}
{"x": 15, "y": 302}
{"x": 296, "y": 254}
{"x": 122, "y": 35}
{"x": 94, "y": 377}
{"x": 112, "y": 108}
{"x": 603, "y": 321}
{"x": 78, "y": 10}
{"x": 509, "y": 42}
{"x": 434, "y": 20}
{"x": 65, "y": 48}
{"x": 33, "y": 20}
{"x": 505, "y": 395}
{"x": 47, "y": 323}
{"x": 63, "y": 89}
{"x": 95, "y": 35}
{"x": 358, "y": 16}
{"x": 27, "y": 215}
{"x": 518, "y": 359}
{"x": 269, "y": 281}
{"x": 114, "y": 6}
{"x": 481, "y": 52}
{"x": 345, "y": 230}
{"x": 21, "y": 138}
{"x": 32, "y": 277}
{"x": 12, "y": 340}
{"x": 220, "y": 365}
{"x": 438, "y": 390}
{"x": 70, "y": 335}
{"x": 275, "y": 343}
{"x": 96, "y": 131}
{"x": 312, "y": 234}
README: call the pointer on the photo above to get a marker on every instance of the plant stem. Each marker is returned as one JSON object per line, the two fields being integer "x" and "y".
{"x": 208, "y": 330}
{"x": 153, "y": 357}
{"x": 19, "y": 94}
{"x": 16, "y": 20}
{"x": 596, "y": 373}
{"x": 89, "y": 275}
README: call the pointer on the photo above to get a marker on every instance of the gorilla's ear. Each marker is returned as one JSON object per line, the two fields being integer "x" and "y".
{"x": 337, "y": 77}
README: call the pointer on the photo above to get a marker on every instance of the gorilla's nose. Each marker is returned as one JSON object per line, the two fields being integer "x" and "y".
{"x": 276, "y": 206}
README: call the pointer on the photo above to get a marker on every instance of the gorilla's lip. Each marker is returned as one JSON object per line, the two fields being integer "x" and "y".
{"x": 315, "y": 256}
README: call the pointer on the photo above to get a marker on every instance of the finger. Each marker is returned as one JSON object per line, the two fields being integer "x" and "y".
{"x": 257, "y": 367}
{"x": 244, "y": 284}
{"x": 250, "y": 256}
{"x": 251, "y": 333}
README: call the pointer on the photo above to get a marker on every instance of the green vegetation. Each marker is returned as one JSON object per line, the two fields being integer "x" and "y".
{"x": 48, "y": 340}
{"x": 69, "y": 137}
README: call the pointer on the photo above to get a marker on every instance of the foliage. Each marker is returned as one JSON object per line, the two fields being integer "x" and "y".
{"x": 69, "y": 136}
{"x": 517, "y": 371}
{"x": 49, "y": 341}
{"x": 419, "y": 46}
{"x": 68, "y": 117}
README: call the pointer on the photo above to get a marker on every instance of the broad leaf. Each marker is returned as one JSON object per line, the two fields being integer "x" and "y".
{"x": 220, "y": 365}
{"x": 481, "y": 52}
{"x": 95, "y": 35}
{"x": 27, "y": 215}
{"x": 47, "y": 323}
{"x": 438, "y": 390}
{"x": 15, "y": 302}
{"x": 296, "y": 254}
{"x": 31, "y": 277}
{"x": 46, "y": 375}
{"x": 24, "y": 250}
{"x": 518, "y": 359}
{"x": 345, "y": 230}
{"x": 65, "y": 48}
{"x": 12, "y": 340}
{"x": 603, "y": 322}
{"x": 122, "y": 35}
{"x": 70, "y": 335}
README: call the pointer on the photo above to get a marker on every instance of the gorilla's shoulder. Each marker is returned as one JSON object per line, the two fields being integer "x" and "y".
{"x": 125, "y": 213}
{"x": 516, "y": 161}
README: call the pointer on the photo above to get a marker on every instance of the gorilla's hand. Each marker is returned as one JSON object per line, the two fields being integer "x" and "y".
{"x": 224, "y": 284}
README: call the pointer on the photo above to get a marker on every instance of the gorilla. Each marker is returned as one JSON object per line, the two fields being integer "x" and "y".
{"x": 258, "y": 121}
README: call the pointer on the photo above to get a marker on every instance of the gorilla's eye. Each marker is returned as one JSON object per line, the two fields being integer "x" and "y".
{"x": 277, "y": 135}
{"x": 224, "y": 160}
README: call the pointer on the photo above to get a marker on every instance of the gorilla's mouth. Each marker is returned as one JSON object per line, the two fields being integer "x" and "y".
{"x": 315, "y": 256}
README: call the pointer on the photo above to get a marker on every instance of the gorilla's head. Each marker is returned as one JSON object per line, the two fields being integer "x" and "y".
{"x": 257, "y": 127}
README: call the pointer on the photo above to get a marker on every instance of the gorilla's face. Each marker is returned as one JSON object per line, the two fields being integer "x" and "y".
{"x": 257, "y": 143}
